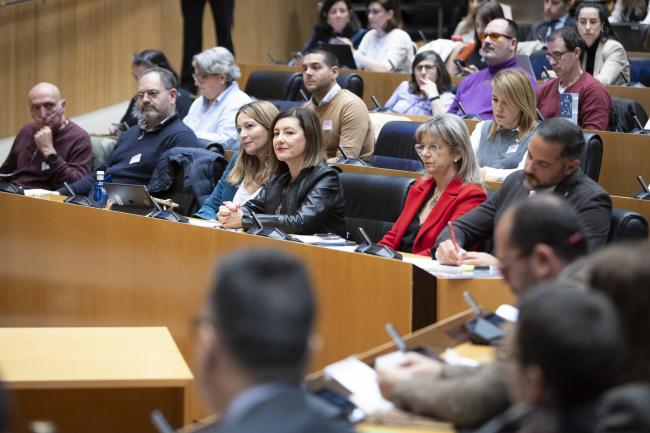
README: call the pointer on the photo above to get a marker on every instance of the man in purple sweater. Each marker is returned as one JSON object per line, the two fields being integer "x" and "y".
{"x": 50, "y": 150}
{"x": 498, "y": 48}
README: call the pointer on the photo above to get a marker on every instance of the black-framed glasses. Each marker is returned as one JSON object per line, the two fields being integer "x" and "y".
{"x": 556, "y": 56}
{"x": 431, "y": 148}
{"x": 494, "y": 36}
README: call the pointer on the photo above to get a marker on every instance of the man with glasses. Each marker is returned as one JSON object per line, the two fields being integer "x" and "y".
{"x": 498, "y": 48}
{"x": 552, "y": 165}
{"x": 565, "y": 50}
{"x": 159, "y": 129}
{"x": 536, "y": 240}
{"x": 50, "y": 150}
{"x": 344, "y": 118}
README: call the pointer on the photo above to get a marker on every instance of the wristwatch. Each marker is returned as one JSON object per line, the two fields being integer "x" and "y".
{"x": 433, "y": 98}
{"x": 51, "y": 158}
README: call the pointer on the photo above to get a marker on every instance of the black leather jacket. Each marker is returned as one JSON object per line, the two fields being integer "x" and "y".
{"x": 313, "y": 203}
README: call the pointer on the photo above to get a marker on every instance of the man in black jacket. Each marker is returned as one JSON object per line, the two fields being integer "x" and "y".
{"x": 253, "y": 346}
{"x": 552, "y": 165}
{"x": 556, "y": 16}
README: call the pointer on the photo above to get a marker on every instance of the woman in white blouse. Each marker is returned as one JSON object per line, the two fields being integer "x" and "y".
{"x": 385, "y": 48}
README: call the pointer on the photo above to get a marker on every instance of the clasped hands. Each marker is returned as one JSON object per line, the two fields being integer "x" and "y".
{"x": 230, "y": 215}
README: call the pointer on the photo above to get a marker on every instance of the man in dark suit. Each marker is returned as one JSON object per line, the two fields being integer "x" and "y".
{"x": 253, "y": 346}
{"x": 556, "y": 16}
{"x": 552, "y": 165}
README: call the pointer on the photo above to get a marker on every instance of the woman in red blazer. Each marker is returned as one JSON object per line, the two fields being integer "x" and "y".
{"x": 450, "y": 188}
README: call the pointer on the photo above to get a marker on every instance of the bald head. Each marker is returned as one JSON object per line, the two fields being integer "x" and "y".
{"x": 46, "y": 106}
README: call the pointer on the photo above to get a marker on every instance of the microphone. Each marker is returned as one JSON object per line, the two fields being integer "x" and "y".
{"x": 465, "y": 115}
{"x": 375, "y": 102}
{"x": 422, "y": 36}
{"x": 74, "y": 198}
{"x": 342, "y": 152}
{"x": 304, "y": 95}
{"x": 548, "y": 75}
{"x": 273, "y": 60}
{"x": 644, "y": 194}
{"x": 160, "y": 422}
{"x": 257, "y": 220}
{"x": 539, "y": 115}
{"x": 368, "y": 247}
{"x": 364, "y": 235}
{"x": 643, "y": 183}
{"x": 268, "y": 232}
{"x": 350, "y": 161}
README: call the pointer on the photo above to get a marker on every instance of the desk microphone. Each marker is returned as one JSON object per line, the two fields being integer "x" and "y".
{"x": 422, "y": 36}
{"x": 375, "y": 102}
{"x": 273, "y": 60}
{"x": 74, "y": 198}
{"x": 465, "y": 115}
{"x": 160, "y": 422}
{"x": 268, "y": 232}
{"x": 304, "y": 95}
{"x": 539, "y": 115}
{"x": 548, "y": 75}
{"x": 350, "y": 161}
{"x": 644, "y": 194}
{"x": 368, "y": 247}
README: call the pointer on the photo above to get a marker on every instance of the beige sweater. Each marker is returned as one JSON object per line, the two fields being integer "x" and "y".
{"x": 345, "y": 122}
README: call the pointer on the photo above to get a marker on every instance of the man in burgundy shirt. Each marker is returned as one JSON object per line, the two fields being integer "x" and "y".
{"x": 50, "y": 150}
{"x": 565, "y": 48}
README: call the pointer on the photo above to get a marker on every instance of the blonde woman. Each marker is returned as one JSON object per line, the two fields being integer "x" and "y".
{"x": 501, "y": 143}
{"x": 250, "y": 168}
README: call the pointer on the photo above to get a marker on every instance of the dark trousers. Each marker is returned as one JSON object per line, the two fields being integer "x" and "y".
{"x": 222, "y": 13}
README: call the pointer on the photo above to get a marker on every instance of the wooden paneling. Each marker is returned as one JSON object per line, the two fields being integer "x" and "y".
{"x": 625, "y": 156}
{"x": 85, "y": 46}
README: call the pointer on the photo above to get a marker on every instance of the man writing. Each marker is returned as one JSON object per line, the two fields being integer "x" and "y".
{"x": 552, "y": 165}
{"x": 50, "y": 150}
{"x": 343, "y": 115}
{"x": 159, "y": 128}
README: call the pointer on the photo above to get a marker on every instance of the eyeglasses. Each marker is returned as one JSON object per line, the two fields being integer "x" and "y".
{"x": 200, "y": 77}
{"x": 432, "y": 148}
{"x": 494, "y": 36}
{"x": 557, "y": 56}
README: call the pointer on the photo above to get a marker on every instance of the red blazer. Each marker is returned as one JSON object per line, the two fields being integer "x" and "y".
{"x": 456, "y": 200}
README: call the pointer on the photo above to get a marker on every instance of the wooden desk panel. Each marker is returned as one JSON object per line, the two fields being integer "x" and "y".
{"x": 625, "y": 156}
{"x": 107, "y": 378}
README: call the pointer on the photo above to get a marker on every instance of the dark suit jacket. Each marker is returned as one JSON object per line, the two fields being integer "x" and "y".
{"x": 538, "y": 32}
{"x": 288, "y": 412}
{"x": 456, "y": 200}
{"x": 592, "y": 203}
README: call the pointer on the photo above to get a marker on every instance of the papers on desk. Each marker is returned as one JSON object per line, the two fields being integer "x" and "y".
{"x": 329, "y": 240}
{"x": 451, "y": 272}
{"x": 361, "y": 380}
{"x": 204, "y": 223}
{"x": 37, "y": 192}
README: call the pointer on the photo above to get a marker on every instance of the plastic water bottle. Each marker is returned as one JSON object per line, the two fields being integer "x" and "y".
{"x": 100, "y": 196}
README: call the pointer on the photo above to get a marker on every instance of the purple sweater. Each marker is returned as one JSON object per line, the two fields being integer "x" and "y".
{"x": 475, "y": 91}
{"x": 75, "y": 158}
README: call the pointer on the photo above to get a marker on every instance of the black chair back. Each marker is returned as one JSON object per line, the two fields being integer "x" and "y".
{"x": 592, "y": 155}
{"x": 347, "y": 80}
{"x": 373, "y": 202}
{"x": 395, "y": 149}
{"x": 624, "y": 111}
{"x": 270, "y": 85}
{"x": 627, "y": 225}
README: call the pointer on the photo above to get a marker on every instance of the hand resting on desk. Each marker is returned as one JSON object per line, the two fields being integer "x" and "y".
{"x": 447, "y": 254}
{"x": 230, "y": 215}
{"x": 410, "y": 366}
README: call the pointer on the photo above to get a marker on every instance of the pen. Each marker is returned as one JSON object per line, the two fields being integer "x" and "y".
{"x": 453, "y": 236}
{"x": 397, "y": 339}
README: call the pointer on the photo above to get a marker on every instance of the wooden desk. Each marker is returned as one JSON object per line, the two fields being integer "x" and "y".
{"x": 625, "y": 156}
{"x": 94, "y": 379}
{"x": 75, "y": 266}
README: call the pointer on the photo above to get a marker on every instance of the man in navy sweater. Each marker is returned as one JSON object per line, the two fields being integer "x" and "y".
{"x": 159, "y": 129}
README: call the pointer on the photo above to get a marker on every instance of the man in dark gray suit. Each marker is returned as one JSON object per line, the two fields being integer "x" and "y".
{"x": 556, "y": 16}
{"x": 253, "y": 346}
{"x": 552, "y": 165}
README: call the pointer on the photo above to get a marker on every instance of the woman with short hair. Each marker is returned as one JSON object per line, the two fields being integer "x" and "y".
{"x": 304, "y": 195}
{"x": 212, "y": 115}
{"x": 251, "y": 167}
{"x": 501, "y": 144}
{"x": 385, "y": 48}
{"x": 449, "y": 189}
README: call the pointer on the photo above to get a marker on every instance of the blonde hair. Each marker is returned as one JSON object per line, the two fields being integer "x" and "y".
{"x": 250, "y": 168}
{"x": 451, "y": 130}
{"x": 515, "y": 88}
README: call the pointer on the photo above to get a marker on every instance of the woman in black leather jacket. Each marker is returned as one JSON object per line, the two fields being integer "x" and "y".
{"x": 304, "y": 196}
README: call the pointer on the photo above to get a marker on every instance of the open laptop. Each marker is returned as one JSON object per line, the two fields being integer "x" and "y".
{"x": 524, "y": 61}
{"x": 133, "y": 199}
{"x": 343, "y": 53}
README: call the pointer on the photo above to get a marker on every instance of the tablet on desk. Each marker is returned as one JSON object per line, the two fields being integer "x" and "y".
{"x": 343, "y": 52}
{"x": 134, "y": 199}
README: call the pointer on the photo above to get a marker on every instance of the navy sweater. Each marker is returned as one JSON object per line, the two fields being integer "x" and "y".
{"x": 133, "y": 160}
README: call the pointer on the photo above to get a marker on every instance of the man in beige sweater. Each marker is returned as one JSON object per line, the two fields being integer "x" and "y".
{"x": 343, "y": 115}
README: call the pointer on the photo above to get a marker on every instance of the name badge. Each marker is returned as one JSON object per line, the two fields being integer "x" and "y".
{"x": 45, "y": 166}
{"x": 327, "y": 125}
{"x": 135, "y": 158}
{"x": 512, "y": 148}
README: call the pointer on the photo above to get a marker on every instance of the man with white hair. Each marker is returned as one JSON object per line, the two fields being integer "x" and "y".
{"x": 50, "y": 150}
{"x": 212, "y": 115}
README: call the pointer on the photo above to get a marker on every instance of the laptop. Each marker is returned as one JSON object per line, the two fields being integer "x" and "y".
{"x": 343, "y": 52}
{"x": 524, "y": 61}
{"x": 133, "y": 199}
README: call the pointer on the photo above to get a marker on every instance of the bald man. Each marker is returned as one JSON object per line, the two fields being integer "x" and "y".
{"x": 50, "y": 150}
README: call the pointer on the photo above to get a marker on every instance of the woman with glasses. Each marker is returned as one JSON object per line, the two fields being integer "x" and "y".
{"x": 250, "y": 168}
{"x": 605, "y": 57}
{"x": 501, "y": 143}
{"x": 212, "y": 115}
{"x": 303, "y": 195}
{"x": 429, "y": 90}
{"x": 385, "y": 48}
{"x": 142, "y": 61}
{"x": 450, "y": 187}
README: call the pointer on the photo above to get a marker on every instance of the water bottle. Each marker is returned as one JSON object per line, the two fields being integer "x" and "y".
{"x": 100, "y": 196}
